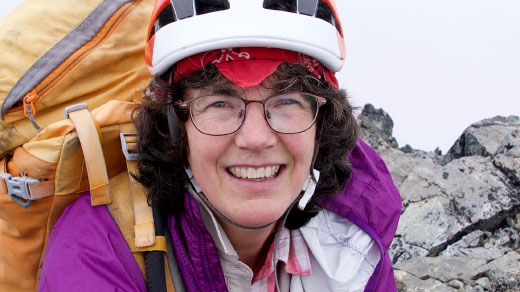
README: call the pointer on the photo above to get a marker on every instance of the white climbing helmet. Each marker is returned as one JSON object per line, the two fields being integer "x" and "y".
{"x": 182, "y": 28}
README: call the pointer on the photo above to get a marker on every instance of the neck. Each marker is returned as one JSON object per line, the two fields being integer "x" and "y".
{"x": 251, "y": 245}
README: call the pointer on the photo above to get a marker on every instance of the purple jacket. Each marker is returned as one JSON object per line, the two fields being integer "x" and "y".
{"x": 86, "y": 251}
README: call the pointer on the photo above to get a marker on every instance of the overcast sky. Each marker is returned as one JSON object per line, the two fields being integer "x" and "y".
{"x": 434, "y": 66}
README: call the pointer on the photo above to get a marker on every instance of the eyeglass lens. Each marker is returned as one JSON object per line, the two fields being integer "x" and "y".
{"x": 223, "y": 114}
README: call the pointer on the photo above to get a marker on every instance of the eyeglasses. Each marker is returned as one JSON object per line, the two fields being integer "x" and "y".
{"x": 221, "y": 114}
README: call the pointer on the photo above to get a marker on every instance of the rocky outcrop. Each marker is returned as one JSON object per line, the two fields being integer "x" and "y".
{"x": 460, "y": 222}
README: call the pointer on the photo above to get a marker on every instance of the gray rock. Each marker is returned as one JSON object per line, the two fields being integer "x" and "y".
{"x": 444, "y": 269}
{"x": 400, "y": 250}
{"x": 409, "y": 283}
{"x": 503, "y": 237}
{"x": 376, "y": 127}
{"x": 484, "y": 138}
{"x": 509, "y": 263}
{"x": 474, "y": 239}
{"x": 398, "y": 163}
{"x": 442, "y": 204}
{"x": 456, "y": 284}
{"x": 504, "y": 281}
{"x": 406, "y": 148}
{"x": 472, "y": 246}
{"x": 460, "y": 221}
{"x": 481, "y": 253}
{"x": 376, "y": 119}
{"x": 509, "y": 163}
{"x": 478, "y": 191}
{"x": 483, "y": 282}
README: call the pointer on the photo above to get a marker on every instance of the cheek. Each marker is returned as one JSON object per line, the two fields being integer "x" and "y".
{"x": 204, "y": 150}
{"x": 301, "y": 147}
{"x": 308, "y": 143}
{"x": 196, "y": 146}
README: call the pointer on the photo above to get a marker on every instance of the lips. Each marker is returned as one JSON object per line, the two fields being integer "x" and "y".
{"x": 257, "y": 173}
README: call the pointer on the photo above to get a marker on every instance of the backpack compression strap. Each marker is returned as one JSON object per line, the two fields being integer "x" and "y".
{"x": 89, "y": 137}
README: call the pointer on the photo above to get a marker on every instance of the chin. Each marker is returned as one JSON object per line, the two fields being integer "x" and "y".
{"x": 253, "y": 218}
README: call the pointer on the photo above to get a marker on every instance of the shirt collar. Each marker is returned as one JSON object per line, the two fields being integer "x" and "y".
{"x": 291, "y": 249}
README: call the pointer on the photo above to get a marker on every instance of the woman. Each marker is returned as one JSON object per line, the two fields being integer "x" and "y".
{"x": 244, "y": 145}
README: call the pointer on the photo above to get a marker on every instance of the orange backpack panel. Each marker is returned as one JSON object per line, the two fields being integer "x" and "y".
{"x": 79, "y": 52}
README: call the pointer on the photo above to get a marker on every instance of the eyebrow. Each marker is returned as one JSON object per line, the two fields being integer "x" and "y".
{"x": 227, "y": 87}
{"x": 291, "y": 86}
{"x": 234, "y": 91}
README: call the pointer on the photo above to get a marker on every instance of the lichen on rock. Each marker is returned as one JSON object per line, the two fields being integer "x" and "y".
{"x": 460, "y": 222}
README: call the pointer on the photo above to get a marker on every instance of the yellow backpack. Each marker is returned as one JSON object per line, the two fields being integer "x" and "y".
{"x": 89, "y": 53}
{"x": 56, "y": 53}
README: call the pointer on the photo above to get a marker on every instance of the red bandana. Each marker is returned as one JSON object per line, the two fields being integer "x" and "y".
{"x": 248, "y": 67}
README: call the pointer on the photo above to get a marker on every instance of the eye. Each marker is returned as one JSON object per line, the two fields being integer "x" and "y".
{"x": 220, "y": 103}
{"x": 287, "y": 101}
{"x": 216, "y": 103}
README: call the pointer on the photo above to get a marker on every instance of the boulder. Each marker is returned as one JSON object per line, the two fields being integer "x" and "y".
{"x": 460, "y": 222}
{"x": 445, "y": 269}
{"x": 408, "y": 282}
{"x": 486, "y": 138}
{"x": 376, "y": 127}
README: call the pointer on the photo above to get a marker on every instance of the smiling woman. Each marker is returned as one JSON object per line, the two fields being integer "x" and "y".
{"x": 249, "y": 148}
{"x": 289, "y": 79}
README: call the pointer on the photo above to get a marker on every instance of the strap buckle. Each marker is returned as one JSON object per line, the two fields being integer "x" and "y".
{"x": 73, "y": 108}
{"x": 130, "y": 156}
{"x": 18, "y": 188}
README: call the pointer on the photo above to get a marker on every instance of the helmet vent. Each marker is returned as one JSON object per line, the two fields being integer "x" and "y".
{"x": 319, "y": 9}
{"x": 207, "y": 6}
{"x": 165, "y": 17}
{"x": 182, "y": 8}
{"x": 287, "y": 5}
{"x": 307, "y": 7}
{"x": 325, "y": 12}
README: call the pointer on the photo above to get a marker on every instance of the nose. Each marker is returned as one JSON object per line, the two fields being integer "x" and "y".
{"x": 255, "y": 133}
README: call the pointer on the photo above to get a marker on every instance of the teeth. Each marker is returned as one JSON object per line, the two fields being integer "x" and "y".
{"x": 268, "y": 171}
{"x": 260, "y": 172}
{"x": 255, "y": 173}
{"x": 251, "y": 173}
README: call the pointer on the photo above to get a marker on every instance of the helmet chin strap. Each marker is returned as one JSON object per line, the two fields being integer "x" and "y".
{"x": 305, "y": 196}
{"x": 201, "y": 195}
{"x": 308, "y": 190}
{"x": 312, "y": 178}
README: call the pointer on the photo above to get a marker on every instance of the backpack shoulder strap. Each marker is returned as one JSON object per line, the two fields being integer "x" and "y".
{"x": 131, "y": 211}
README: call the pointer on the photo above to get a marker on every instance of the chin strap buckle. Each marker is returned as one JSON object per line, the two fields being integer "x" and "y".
{"x": 192, "y": 180}
{"x": 308, "y": 188}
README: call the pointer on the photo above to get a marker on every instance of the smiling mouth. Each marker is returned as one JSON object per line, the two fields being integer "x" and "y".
{"x": 259, "y": 174}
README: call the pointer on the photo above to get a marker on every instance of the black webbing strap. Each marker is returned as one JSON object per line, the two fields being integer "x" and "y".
{"x": 154, "y": 260}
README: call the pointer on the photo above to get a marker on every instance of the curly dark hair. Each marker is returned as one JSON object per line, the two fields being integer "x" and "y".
{"x": 163, "y": 157}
